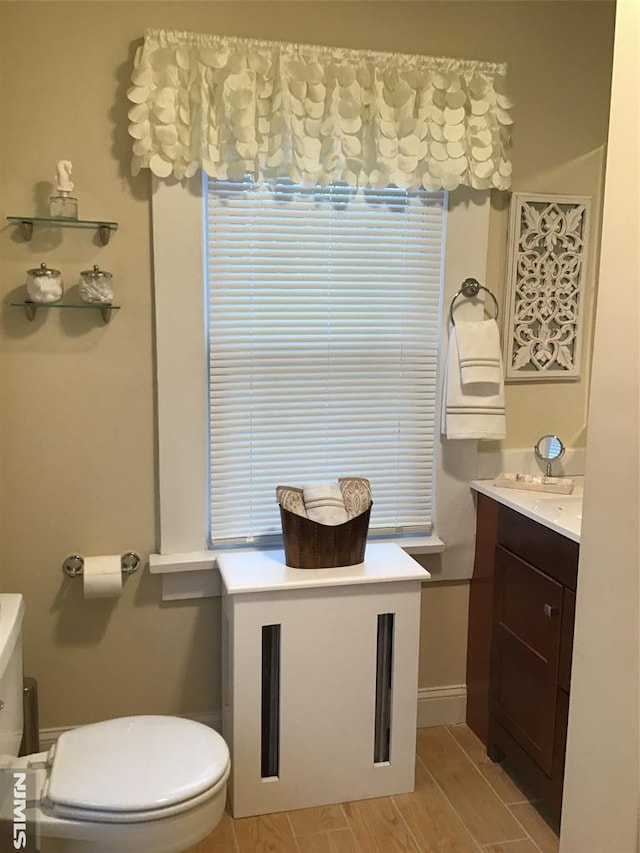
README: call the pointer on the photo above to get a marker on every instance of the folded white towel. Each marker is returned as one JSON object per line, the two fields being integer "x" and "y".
{"x": 470, "y": 415}
{"x": 479, "y": 352}
{"x": 324, "y": 503}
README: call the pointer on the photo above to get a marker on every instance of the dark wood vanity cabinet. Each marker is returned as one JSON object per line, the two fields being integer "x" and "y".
{"x": 518, "y": 699}
{"x": 525, "y": 655}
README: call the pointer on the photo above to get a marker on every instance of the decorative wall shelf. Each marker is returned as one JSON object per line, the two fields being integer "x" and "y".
{"x": 31, "y": 308}
{"x": 26, "y": 224}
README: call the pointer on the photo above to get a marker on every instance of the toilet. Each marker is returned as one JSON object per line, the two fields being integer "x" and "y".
{"x": 140, "y": 783}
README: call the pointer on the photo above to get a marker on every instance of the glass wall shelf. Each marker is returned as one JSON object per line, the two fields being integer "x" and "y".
{"x": 26, "y": 223}
{"x": 31, "y": 308}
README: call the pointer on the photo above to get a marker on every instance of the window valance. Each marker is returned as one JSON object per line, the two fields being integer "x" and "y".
{"x": 317, "y": 114}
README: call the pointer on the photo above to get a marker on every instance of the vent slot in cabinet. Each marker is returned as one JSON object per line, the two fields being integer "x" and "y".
{"x": 270, "y": 711}
{"x": 384, "y": 680}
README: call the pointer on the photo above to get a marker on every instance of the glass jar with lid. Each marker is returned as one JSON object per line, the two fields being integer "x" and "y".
{"x": 44, "y": 284}
{"x": 96, "y": 285}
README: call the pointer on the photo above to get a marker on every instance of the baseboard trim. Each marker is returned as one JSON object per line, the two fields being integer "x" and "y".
{"x": 442, "y": 706}
{"x": 48, "y": 737}
{"x": 437, "y": 706}
{"x": 213, "y": 719}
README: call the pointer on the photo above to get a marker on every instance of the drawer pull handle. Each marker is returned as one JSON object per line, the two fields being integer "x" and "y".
{"x": 548, "y": 610}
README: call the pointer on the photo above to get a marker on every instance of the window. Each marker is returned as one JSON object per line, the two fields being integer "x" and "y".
{"x": 323, "y": 335}
{"x": 182, "y": 364}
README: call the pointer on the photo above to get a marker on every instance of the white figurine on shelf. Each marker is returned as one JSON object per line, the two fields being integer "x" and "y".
{"x": 63, "y": 176}
{"x": 63, "y": 205}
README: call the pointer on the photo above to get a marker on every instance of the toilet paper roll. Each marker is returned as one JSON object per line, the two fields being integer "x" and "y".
{"x": 102, "y": 576}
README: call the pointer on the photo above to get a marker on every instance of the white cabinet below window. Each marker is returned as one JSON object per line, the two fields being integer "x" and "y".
{"x": 320, "y": 679}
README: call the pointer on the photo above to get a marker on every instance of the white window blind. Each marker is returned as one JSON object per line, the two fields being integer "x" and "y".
{"x": 323, "y": 323}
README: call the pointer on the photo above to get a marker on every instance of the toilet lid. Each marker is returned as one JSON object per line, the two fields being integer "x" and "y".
{"x": 135, "y": 764}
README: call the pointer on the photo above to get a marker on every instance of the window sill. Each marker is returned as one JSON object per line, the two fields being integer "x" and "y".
{"x": 196, "y": 575}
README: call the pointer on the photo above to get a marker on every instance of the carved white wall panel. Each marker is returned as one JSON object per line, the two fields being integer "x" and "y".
{"x": 546, "y": 280}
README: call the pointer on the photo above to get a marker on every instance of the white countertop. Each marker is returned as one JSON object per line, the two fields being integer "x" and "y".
{"x": 562, "y": 513}
{"x": 263, "y": 571}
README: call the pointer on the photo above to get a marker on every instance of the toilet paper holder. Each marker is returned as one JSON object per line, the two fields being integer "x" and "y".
{"x": 73, "y": 565}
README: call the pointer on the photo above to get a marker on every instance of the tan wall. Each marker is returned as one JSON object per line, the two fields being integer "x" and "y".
{"x": 77, "y": 398}
{"x": 602, "y": 746}
{"x": 443, "y": 634}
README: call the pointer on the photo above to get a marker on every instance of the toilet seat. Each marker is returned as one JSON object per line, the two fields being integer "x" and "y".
{"x": 84, "y": 815}
{"x": 134, "y": 769}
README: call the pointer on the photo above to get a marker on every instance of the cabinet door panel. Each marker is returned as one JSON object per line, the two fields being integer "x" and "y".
{"x": 566, "y": 641}
{"x": 525, "y": 654}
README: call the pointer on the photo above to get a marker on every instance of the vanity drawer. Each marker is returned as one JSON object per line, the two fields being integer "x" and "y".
{"x": 528, "y": 604}
{"x": 545, "y": 549}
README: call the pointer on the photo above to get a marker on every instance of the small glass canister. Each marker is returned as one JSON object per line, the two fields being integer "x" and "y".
{"x": 63, "y": 206}
{"x": 96, "y": 285}
{"x": 44, "y": 284}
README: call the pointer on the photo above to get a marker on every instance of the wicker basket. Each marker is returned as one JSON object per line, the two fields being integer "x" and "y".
{"x": 310, "y": 545}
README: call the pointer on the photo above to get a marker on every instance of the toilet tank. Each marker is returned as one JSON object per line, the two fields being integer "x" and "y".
{"x": 11, "y": 616}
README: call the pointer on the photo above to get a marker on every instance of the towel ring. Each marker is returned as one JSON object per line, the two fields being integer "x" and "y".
{"x": 470, "y": 288}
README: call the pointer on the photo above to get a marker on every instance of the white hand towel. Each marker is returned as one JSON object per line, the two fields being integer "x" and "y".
{"x": 470, "y": 415}
{"x": 324, "y": 503}
{"x": 479, "y": 352}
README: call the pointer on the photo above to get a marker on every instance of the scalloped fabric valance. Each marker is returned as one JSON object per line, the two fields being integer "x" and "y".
{"x": 317, "y": 115}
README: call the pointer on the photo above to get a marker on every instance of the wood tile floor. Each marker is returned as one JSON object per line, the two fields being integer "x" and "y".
{"x": 463, "y": 803}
